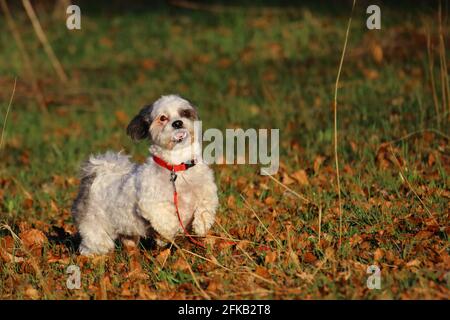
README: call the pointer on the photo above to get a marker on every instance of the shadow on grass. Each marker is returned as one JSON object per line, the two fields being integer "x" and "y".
{"x": 59, "y": 236}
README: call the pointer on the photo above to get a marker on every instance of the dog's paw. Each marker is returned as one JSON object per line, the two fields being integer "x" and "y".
{"x": 200, "y": 228}
{"x": 87, "y": 251}
{"x": 161, "y": 243}
{"x": 130, "y": 242}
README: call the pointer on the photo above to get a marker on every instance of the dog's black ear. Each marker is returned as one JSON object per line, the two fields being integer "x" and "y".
{"x": 194, "y": 114}
{"x": 138, "y": 128}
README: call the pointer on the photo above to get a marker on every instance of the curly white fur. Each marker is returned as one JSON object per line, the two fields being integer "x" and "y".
{"x": 119, "y": 198}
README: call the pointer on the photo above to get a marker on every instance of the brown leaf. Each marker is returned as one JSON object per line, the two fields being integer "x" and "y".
{"x": 181, "y": 264}
{"x": 317, "y": 163}
{"x": 287, "y": 180}
{"x": 428, "y": 136}
{"x": 378, "y": 254}
{"x": 390, "y": 256}
{"x": 309, "y": 257}
{"x": 126, "y": 289}
{"x": 33, "y": 238}
{"x": 32, "y": 293}
{"x": 262, "y": 272}
{"x": 243, "y": 244}
{"x": 275, "y": 49}
{"x": 99, "y": 260}
{"x": 431, "y": 159}
{"x": 224, "y": 63}
{"x": 148, "y": 64}
{"x": 214, "y": 286}
{"x": 121, "y": 117}
{"x": 370, "y": 74}
{"x": 73, "y": 181}
{"x": 348, "y": 169}
{"x": 271, "y": 257}
{"x": 145, "y": 292}
{"x": 301, "y": 177}
{"x": 59, "y": 181}
{"x": 25, "y": 158}
{"x": 105, "y": 282}
{"x": 413, "y": 263}
{"x": 106, "y": 42}
{"x": 293, "y": 257}
{"x": 51, "y": 258}
{"x": 388, "y": 156}
{"x": 423, "y": 234}
{"x": 224, "y": 244}
{"x": 27, "y": 203}
{"x": 136, "y": 271}
{"x": 242, "y": 182}
{"x": 231, "y": 202}
{"x": 163, "y": 286}
{"x": 7, "y": 243}
{"x": 8, "y": 257}
{"x": 377, "y": 53}
{"x": 162, "y": 256}
{"x": 269, "y": 200}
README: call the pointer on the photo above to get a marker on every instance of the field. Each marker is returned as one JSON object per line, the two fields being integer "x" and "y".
{"x": 245, "y": 65}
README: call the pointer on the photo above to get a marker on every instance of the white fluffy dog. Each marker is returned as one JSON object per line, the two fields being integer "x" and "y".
{"x": 118, "y": 198}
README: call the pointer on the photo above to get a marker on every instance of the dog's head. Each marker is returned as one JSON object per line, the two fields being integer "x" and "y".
{"x": 168, "y": 122}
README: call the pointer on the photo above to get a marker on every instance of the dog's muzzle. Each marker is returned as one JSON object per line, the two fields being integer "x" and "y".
{"x": 179, "y": 135}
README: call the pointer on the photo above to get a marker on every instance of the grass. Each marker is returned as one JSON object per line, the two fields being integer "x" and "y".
{"x": 249, "y": 66}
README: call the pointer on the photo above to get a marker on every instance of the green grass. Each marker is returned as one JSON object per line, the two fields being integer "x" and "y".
{"x": 249, "y": 66}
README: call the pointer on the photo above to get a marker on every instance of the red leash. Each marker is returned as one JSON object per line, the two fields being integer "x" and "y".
{"x": 173, "y": 177}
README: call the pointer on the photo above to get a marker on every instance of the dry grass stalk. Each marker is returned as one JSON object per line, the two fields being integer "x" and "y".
{"x": 320, "y": 222}
{"x": 215, "y": 262}
{"x": 443, "y": 66}
{"x": 249, "y": 271}
{"x": 263, "y": 225}
{"x": 230, "y": 239}
{"x": 409, "y": 135}
{"x": 303, "y": 198}
{"x": 59, "y": 10}
{"x": 7, "y": 113}
{"x": 44, "y": 41}
{"x": 336, "y": 158}
{"x": 25, "y": 57}
{"x": 203, "y": 293}
{"x": 239, "y": 247}
{"x": 432, "y": 81}
{"x": 291, "y": 253}
{"x": 442, "y": 107}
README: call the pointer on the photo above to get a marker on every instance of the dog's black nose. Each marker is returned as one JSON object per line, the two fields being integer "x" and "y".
{"x": 177, "y": 124}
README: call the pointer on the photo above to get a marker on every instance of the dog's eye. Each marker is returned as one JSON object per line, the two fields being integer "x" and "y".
{"x": 186, "y": 113}
{"x": 163, "y": 118}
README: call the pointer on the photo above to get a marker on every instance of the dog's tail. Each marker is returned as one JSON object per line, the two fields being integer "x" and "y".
{"x": 108, "y": 163}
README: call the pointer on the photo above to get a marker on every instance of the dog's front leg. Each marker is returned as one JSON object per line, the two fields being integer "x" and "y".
{"x": 205, "y": 212}
{"x": 162, "y": 217}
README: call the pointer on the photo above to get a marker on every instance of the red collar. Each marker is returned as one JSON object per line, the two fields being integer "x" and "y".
{"x": 176, "y": 167}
